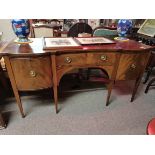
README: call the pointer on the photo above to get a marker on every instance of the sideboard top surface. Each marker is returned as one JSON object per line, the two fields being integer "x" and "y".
{"x": 36, "y": 47}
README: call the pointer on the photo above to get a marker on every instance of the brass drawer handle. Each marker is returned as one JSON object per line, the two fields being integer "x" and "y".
{"x": 103, "y": 57}
{"x": 133, "y": 66}
{"x": 68, "y": 60}
{"x": 32, "y": 73}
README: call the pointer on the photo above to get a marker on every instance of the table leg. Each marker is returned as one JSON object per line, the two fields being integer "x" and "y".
{"x": 55, "y": 82}
{"x": 110, "y": 87}
{"x": 137, "y": 82}
{"x": 2, "y": 123}
{"x": 14, "y": 87}
{"x": 55, "y": 89}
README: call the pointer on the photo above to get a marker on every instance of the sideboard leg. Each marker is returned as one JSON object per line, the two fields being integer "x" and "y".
{"x": 110, "y": 86}
{"x": 55, "y": 83}
{"x": 19, "y": 103}
{"x": 137, "y": 82}
{"x": 13, "y": 83}
{"x": 56, "y": 98}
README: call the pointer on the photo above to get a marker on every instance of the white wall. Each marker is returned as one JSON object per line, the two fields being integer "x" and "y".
{"x": 6, "y": 28}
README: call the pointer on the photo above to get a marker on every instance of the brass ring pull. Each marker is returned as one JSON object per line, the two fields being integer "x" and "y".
{"x": 103, "y": 57}
{"x": 68, "y": 60}
{"x": 133, "y": 66}
{"x": 32, "y": 73}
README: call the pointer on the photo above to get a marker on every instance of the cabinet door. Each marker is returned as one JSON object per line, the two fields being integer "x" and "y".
{"x": 131, "y": 65}
{"x": 32, "y": 73}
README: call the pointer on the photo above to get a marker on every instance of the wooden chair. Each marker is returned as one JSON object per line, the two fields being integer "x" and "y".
{"x": 29, "y": 73}
{"x": 79, "y": 28}
{"x": 41, "y": 31}
{"x": 45, "y": 29}
{"x": 105, "y": 32}
{"x": 150, "y": 66}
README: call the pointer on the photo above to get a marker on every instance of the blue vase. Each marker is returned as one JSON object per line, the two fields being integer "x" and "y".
{"x": 123, "y": 27}
{"x": 21, "y": 28}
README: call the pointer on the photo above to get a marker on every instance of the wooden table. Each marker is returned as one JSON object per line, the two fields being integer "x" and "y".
{"x": 2, "y": 123}
{"x": 59, "y": 33}
{"x": 122, "y": 61}
{"x": 3, "y": 44}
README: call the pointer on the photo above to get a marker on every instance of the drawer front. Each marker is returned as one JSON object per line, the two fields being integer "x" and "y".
{"x": 71, "y": 59}
{"x": 130, "y": 66}
{"x": 82, "y": 59}
{"x": 32, "y": 73}
{"x": 99, "y": 59}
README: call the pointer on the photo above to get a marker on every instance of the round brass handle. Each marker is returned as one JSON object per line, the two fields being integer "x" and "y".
{"x": 33, "y": 73}
{"x": 68, "y": 60}
{"x": 103, "y": 57}
{"x": 133, "y": 66}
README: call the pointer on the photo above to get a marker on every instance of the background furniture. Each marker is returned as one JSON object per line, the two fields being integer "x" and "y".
{"x": 105, "y": 31}
{"x": 151, "y": 83}
{"x": 29, "y": 72}
{"x": 150, "y": 66}
{"x": 149, "y": 70}
{"x": 2, "y": 123}
{"x": 4, "y": 87}
{"x": 79, "y": 28}
{"x": 60, "y": 33}
{"x": 151, "y": 127}
{"x": 44, "y": 29}
{"x": 121, "y": 61}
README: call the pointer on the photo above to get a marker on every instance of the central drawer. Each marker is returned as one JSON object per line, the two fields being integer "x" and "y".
{"x": 71, "y": 59}
{"x": 81, "y": 59}
{"x": 99, "y": 59}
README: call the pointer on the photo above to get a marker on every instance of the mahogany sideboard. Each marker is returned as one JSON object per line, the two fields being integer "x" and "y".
{"x": 30, "y": 67}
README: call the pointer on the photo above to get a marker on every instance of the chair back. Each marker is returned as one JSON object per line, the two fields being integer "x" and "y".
{"x": 79, "y": 28}
{"x": 42, "y": 31}
{"x": 105, "y": 32}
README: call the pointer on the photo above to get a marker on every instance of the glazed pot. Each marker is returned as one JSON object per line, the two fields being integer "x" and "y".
{"x": 123, "y": 27}
{"x": 21, "y": 28}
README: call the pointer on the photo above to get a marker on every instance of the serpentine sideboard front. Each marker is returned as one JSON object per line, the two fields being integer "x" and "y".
{"x": 24, "y": 63}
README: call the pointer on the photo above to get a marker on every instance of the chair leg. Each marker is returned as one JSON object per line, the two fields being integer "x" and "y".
{"x": 149, "y": 84}
{"x": 88, "y": 73}
{"x": 148, "y": 75}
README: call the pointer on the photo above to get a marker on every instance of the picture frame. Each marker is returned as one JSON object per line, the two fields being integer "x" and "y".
{"x": 148, "y": 28}
{"x": 94, "y": 40}
{"x": 57, "y": 43}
